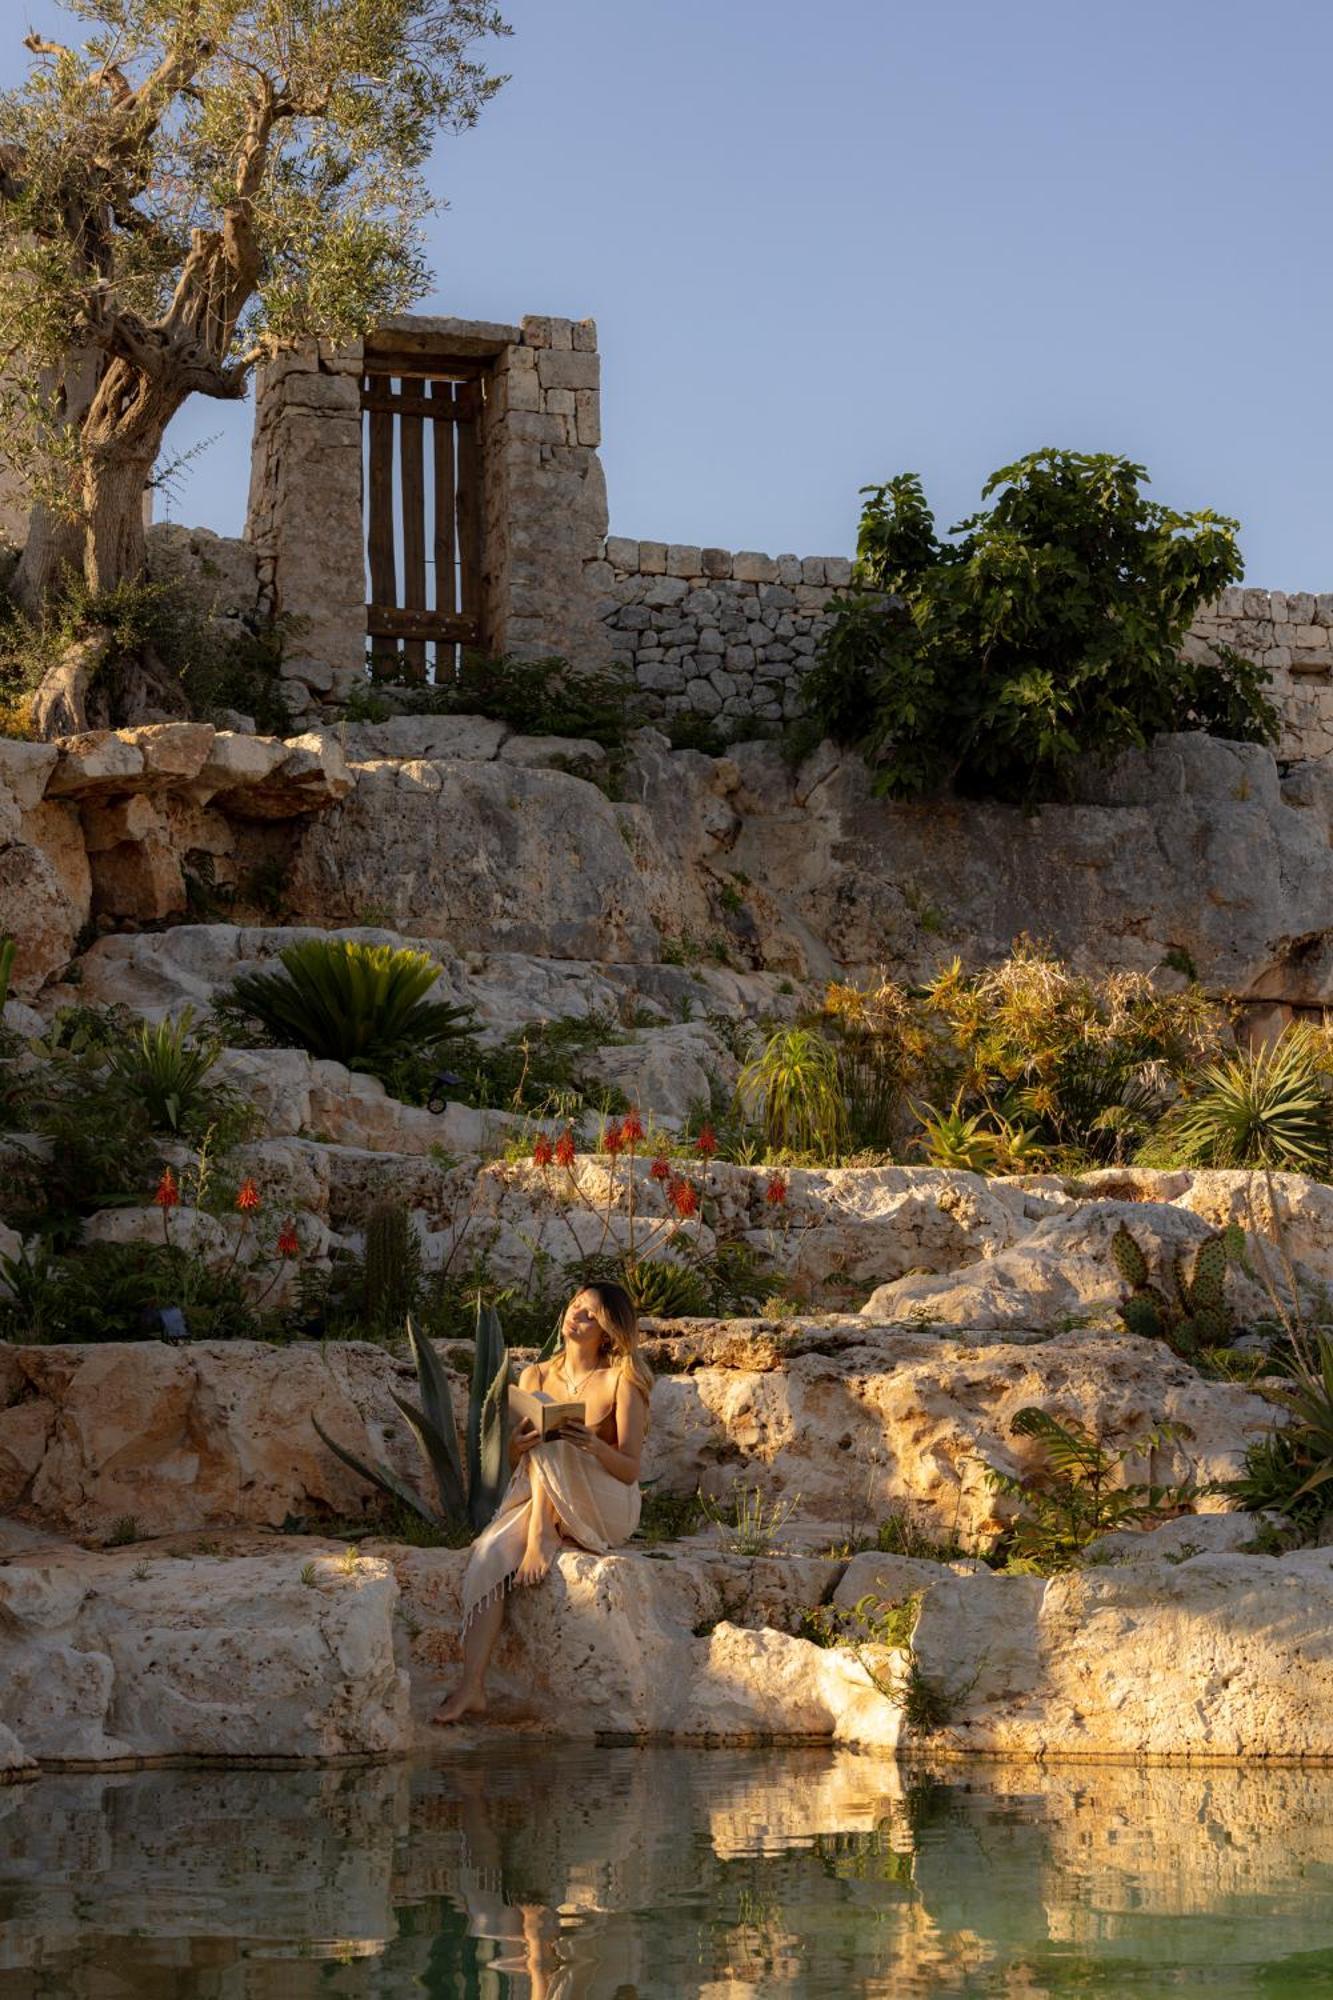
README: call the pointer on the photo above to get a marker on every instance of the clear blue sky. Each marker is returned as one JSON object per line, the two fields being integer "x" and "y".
{"x": 828, "y": 242}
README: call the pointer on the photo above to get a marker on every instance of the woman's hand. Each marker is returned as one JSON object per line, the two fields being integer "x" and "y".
{"x": 525, "y": 1437}
{"x": 582, "y": 1438}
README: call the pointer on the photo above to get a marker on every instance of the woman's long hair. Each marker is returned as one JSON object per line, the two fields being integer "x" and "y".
{"x": 619, "y": 1322}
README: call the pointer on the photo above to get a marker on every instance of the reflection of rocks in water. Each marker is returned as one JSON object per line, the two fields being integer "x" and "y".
{"x": 568, "y": 1872}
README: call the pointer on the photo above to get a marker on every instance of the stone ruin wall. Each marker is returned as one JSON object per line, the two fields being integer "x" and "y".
{"x": 727, "y": 637}
{"x": 704, "y": 631}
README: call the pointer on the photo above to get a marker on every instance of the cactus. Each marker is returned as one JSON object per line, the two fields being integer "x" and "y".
{"x": 465, "y": 1500}
{"x": 392, "y": 1264}
{"x": 1195, "y": 1313}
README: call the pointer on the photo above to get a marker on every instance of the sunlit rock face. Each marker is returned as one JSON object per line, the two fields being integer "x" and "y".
{"x": 116, "y": 1657}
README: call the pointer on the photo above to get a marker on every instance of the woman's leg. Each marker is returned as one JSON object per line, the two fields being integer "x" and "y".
{"x": 543, "y": 1532}
{"x": 469, "y": 1697}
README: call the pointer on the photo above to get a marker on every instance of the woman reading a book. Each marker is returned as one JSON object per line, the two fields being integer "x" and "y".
{"x": 576, "y": 1483}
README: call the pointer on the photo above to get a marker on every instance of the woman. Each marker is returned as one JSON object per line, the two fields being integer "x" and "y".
{"x": 581, "y": 1487}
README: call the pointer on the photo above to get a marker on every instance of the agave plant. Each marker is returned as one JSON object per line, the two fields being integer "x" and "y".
{"x": 358, "y": 1004}
{"x": 794, "y": 1088}
{"x": 1265, "y": 1107}
{"x": 466, "y": 1495}
{"x": 949, "y": 1139}
{"x": 163, "y": 1069}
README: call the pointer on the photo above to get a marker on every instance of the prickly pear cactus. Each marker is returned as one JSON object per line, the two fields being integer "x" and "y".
{"x": 1129, "y": 1259}
{"x": 1208, "y": 1280}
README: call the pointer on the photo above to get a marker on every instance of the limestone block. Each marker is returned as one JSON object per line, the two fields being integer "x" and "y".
{"x": 559, "y": 402}
{"x": 313, "y": 774}
{"x": 652, "y": 558}
{"x": 45, "y": 894}
{"x": 568, "y": 370}
{"x": 812, "y": 571}
{"x": 102, "y": 761}
{"x": 622, "y": 553}
{"x": 108, "y": 824}
{"x": 473, "y": 738}
{"x": 588, "y": 413}
{"x": 584, "y": 335}
{"x": 236, "y": 760}
{"x": 837, "y": 572}
{"x": 555, "y": 753}
{"x": 749, "y": 567}
{"x": 664, "y": 591}
{"x": 200, "y": 1657}
{"x": 682, "y": 560}
{"x": 25, "y": 769}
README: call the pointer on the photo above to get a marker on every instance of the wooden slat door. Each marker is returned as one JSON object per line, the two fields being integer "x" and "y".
{"x": 423, "y": 512}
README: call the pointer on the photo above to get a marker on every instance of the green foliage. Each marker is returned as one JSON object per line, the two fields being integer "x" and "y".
{"x": 664, "y": 1288}
{"x": 1310, "y": 1402}
{"x": 538, "y": 1068}
{"x": 871, "y": 1621}
{"x": 748, "y": 1523}
{"x": 1263, "y": 1107}
{"x": 1039, "y": 1065}
{"x": 103, "y": 1090}
{"x": 1068, "y": 1494}
{"x": 470, "y": 1496}
{"x": 549, "y": 697}
{"x": 1276, "y": 1479}
{"x": 165, "y": 1068}
{"x": 1050, "y": 626}
{"x": 358, "y": 1004}
{"x": 392, "y": 1265}
{"x": 668, "y": 1517}
{"x": 124, "y": 1532}
{"x": 1191, "y": 1315}
{"x": 112, "y": 1291}
{"x": 211, "y": 665}
{"x": 792, "y": 1087}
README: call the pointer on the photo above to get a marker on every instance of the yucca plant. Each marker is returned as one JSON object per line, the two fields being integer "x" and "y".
{"x": 467, "y": 1496}
{"x": 1264, "y": 1107}
{"x": 1194, "y": 1313}
{"x": 163, "y": 1068}
{"x": 358, "y": 1004}
{"x": 793, "y": 1087}
{"x": 1071, "y": 1496}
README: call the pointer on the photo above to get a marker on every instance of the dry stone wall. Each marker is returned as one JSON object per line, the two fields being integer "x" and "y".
{"x": 1292, "y": 634}
{"x": 715, "y": 634}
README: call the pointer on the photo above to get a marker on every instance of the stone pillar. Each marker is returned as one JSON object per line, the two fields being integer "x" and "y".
{"x": 305, "y": 516}
{"x": 546, "y": 515}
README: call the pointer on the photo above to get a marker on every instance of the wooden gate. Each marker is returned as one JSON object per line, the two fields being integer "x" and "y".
{"x": 423, "y": 511}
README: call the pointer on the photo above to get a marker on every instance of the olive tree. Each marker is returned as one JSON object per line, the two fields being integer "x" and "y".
{"x": 192, "y": 186}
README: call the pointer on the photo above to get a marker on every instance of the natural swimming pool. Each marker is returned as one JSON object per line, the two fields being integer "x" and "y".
{"x": 572, "y": 1873}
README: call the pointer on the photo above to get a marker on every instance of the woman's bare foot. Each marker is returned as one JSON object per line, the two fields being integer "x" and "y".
{"x": 463, "y": 1701}
{"x": 540, "y": 1554}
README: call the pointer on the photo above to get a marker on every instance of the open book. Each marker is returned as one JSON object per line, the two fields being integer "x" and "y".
{"x": 535, "y": 1407}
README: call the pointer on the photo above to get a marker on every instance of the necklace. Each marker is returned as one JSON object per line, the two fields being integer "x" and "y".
{"x": 575, "y": 1387}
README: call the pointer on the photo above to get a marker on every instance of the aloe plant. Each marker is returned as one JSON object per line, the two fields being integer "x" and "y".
{"x": 467, "y": 1495}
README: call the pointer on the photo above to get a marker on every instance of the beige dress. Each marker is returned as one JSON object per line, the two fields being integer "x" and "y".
{"x": 594, "y": 1509}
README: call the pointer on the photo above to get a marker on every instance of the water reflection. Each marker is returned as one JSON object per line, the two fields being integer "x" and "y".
{"x": 563, "y": 1873}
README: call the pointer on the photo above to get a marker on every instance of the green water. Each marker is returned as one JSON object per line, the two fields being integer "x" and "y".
{"x": 624, "y": 1874}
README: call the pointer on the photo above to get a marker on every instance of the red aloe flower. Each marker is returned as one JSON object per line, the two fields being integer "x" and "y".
{"x": 661, "y": 1168}
{"x": 776, "y": 1191}
{"x": 613, "y": 1140}
{"x": 247, "y": 1197}
{"x": 543, "y": 1152}
{"x": 168, "y": 1193}
{"x": 565, "y": 1148}
{"x": 706, "y": 1143}
{"x": 684, "y": 1198}
{"x": 289, "y": 1243}
{"x": 631, "y": 1128}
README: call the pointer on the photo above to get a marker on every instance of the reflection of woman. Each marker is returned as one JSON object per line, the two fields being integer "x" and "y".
{"x": 581, "y": 1487}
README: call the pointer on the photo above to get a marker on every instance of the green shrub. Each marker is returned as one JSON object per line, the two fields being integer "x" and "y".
{"x": 164, "y": 1070}
{"x": 112, "y": 1291}
{"x": 1049, "y": 627}
{"x": 358, "y": 1004}
{"x": 547, "y": 697}
{"x": 793, "y": 1089}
